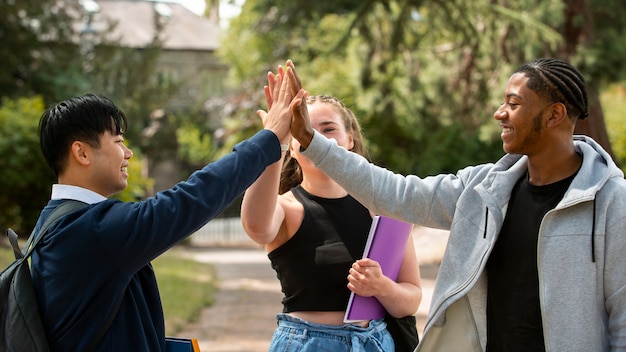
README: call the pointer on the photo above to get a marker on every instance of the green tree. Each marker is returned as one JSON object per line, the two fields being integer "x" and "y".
{"x": 26, "y": 178}
{"x": 39, "y": 51}
{"x": 612, "y": 100}
{"x": 424, "y": 77}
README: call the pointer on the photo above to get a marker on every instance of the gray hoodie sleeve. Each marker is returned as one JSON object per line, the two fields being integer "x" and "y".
{"x": 430, "y": 201}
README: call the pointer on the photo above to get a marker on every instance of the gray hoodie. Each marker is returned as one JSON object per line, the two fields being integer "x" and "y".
{"x": 581, "y": 248}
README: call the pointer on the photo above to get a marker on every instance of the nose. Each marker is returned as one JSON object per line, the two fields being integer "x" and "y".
{"x": 128, "y": 153}
{"x": 500, "y": 113}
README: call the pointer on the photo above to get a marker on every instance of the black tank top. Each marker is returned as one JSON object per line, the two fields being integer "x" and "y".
{"x": 313, "y": 265}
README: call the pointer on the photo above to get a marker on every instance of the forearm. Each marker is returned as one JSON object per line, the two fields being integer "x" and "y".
{"x": 260, "y": 206}
{"x": 365, "y": 182}
{"x": 403, "y": 297}
{"x": 430, "y": 201}
{"x": 400, "y": 298}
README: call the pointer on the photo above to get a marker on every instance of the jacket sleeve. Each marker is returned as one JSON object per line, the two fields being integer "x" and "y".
{"x": 429, "y": 201}
{"x": 143, "y": 230}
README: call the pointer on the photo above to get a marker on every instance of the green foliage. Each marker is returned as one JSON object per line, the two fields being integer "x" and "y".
{"x": 424, "y": 77}
{"x": 26, "y": 179}
{"x": 39, "y": 57}
{"x": 615, "y": 114}
{"x": 603, "y": 56}
{"x": 194, "y": 146}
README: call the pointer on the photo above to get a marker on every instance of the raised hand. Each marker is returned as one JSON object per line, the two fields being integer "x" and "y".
{"x": 300, "y": 124}
{"x": 295, "y": 84}
{"x": 279, "y": 99}
{"x": 269, "y": 89}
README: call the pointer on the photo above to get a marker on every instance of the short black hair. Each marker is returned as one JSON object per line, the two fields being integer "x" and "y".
{"x": 85, "y": 118}
{"x": 558, "y": 81}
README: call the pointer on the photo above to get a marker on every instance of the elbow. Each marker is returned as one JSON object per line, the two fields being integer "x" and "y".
{"x": 417, "y": 299}
{"x": 414, "y": 301}
{"x": 411, "y": 307}
{"x": 410, "y": 303}
{"x": 257, "y": 233}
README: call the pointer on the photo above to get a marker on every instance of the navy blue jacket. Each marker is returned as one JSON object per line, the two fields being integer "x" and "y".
{"x": 92, "y": 256}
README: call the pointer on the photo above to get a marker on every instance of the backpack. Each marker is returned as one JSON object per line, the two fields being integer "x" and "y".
{"x": 21, "y": 327}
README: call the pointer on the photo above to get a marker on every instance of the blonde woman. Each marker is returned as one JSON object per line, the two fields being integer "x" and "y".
{"x": 315, "y": 233}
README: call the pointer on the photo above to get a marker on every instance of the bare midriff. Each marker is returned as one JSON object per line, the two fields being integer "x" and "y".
{"x": 326, "y": 318}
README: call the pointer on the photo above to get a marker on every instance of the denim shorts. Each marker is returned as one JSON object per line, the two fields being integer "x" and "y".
{"x": 297, "y": 335}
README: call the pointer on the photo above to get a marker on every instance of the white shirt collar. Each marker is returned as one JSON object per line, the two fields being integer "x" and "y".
{"x": 76, "y": 193}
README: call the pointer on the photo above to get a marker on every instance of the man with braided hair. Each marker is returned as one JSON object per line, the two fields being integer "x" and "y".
{"x": 536, "y": 254}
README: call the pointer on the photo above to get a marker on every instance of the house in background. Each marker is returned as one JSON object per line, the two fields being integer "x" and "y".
{"x": 189, "y": 42}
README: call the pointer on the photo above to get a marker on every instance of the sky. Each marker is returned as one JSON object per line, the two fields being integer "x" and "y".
{"x": 227, "y": 10}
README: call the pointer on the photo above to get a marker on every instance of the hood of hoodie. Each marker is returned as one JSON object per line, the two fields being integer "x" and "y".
{"x": 597, "y": 168}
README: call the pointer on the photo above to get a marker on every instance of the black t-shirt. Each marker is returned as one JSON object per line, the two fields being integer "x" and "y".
{"x": 513, "y": 308}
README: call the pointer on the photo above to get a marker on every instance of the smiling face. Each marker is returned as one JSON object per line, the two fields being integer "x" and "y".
{"x": 327, "y": 121}
{"x": 109, "y": 163}
{"x": 522, "y": 117}
{"x": 331, "y": 118}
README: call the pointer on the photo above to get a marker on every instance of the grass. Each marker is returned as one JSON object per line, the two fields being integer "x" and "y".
{"x": 186, "y": 286}
{"x": 6, "y": 254}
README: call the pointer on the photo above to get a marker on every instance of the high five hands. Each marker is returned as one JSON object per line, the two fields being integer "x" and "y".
{"x": 286, "y": 102}
{"x": 279, "y": 97}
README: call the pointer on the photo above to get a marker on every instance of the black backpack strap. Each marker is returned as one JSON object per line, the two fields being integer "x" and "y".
{"x": 63, "y": 209}
{"x": 16, "y": 247}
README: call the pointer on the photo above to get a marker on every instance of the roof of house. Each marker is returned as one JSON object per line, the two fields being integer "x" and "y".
{"x": 135, "y": 24}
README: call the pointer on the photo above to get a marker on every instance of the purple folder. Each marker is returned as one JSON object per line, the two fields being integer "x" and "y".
{"x": 385, "y": 244}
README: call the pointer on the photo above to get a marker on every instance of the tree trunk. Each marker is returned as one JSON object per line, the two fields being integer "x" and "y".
{"x": 577, "y": 33}
{"x": 594, "y": 126}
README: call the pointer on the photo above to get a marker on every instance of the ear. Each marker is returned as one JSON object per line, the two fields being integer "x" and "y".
{"x": 558, "y": 115}
{"x": 350, "y": 141}
{"x": 80, "y": 152}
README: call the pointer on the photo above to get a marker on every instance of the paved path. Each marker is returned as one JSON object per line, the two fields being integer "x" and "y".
{"x": 242, "y": 318}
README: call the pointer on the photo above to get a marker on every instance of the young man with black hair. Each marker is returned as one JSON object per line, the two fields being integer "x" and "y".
{"x": 97, "y": 255}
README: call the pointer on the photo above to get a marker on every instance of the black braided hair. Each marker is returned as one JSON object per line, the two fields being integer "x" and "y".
{"x": 560, "y": 82}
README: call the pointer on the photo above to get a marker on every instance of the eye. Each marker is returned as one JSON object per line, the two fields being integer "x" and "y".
{"x": 511, "y": 103}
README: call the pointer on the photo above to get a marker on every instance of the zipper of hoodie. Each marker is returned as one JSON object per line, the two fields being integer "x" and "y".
{"x": 463, "y": 286}
{"x": 475, "y": 272}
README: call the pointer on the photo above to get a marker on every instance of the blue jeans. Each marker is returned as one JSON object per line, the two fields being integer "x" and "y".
{"x": 297, "y": 335}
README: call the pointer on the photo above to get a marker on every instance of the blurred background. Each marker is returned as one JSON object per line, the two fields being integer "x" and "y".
{"x": 423, "y": 76}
